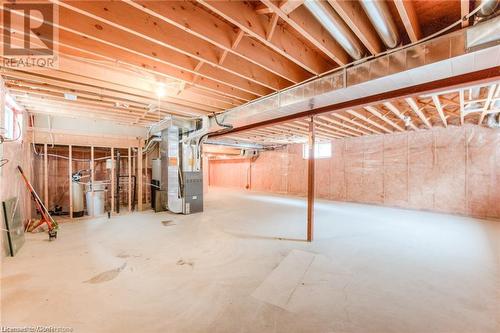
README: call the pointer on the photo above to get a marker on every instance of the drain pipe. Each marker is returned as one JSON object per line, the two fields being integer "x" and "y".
{"x": 380, "y": 17}
{"x": 336, "y": 27}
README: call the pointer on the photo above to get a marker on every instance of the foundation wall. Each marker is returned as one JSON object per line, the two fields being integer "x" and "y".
{"x": 13, "y": 154}
{"x": 454, "y": 170}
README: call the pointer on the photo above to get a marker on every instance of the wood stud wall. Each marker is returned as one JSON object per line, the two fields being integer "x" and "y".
{"x": 46, "y": 181}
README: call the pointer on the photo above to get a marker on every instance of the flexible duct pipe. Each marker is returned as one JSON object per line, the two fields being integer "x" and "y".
{"x": 336, "y": 27}
{"x": 488, "y": 7}
{"x": 381, "y": 19}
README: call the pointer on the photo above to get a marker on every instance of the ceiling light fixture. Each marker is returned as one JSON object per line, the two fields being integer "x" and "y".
{"x": 160, "y": 90}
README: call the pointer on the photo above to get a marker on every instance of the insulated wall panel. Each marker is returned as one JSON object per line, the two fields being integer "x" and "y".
{"x": 483, "y": 166}
{"x": 396, "y": 170}
{"x": 297, "y": 171}
{"x": 449, "y": 173}
{"x": 354, "y": 169}
{"x": 229, "y": 173}
{"x": 373, "y": 170}
{"x": 337, "y": 171}
{"x": 269, "y": 172}
{"x": 421, "y": 169}
{"x": 453, "y": 170}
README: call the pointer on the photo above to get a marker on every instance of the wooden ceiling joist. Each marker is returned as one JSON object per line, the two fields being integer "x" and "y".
{"x": 439, "y": 109}
{"x": 414, "y": 106}
{"x": 306, "y": 25}
{"x": 99, "y": 38}
{"x": 100, "y": 95}
{"x": 373, "y": 110}
{"x": 198, "y": 22}
{"x": 391, "y": 107}
{"x": 368, "y": 120}
{"x": 464, "y": 11}
{"x": 493, "y": 91}
{"x": 243, "y": 15}
{"x": 409, "y": 17}
{"x": 354, "y": 122}
{"x": 288, "y": 6}
{"x": 144, "y": 25}
{"x": 335, "y": 129}
{"x": 341, "y": 124}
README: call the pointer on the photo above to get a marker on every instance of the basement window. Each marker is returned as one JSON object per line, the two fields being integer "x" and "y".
{"x": 321, "y": 150}
{"x": 12, "y": 120}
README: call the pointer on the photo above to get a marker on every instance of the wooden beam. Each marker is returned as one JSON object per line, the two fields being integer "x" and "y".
{"x": 100, "y": 87}
{"x": 92, "y": 170}
{"x": 262, "y": 9}
{"x": 373, "y": 110}
{"x": 288, "y": 6}
{"x": 354, "y": 122}
{"x": 400, "y": 115}
{"x": 464, "y": 11}
{"x": 79, "y": 34}
{"x": 146, "y": 26}
{"x": 319, "y": 131}
{"x": 410, "y": 19}
{"x": 139, "y": 178}
{"x": 146, "y": 181}
{"x": 411, "y": 102}
{"x": 199, "y": 22}
{"x": 491, "y": 92}
{"x": 311, "y": 182}
{"x": 113, "y": 180}
{"x": 439, "y": 109}
{"x": 243, "y": 15}
{"x": 335, "y": 128}
{"x": 45, "y": 177}
{"x": 70, "y": 180}
{"x": 368, "y": 120}
{"x": 129, "y": 179}
{"x": 60, "y": 137}
{"x": 462, "y": 102}
{"x": 333, "y": 121}
{"x": 355, "y": 18}
{"x": 306, "y": 25}
{"x": 272, "y": 26}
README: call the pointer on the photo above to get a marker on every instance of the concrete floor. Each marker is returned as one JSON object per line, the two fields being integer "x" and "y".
{"x": 371, "y": 269}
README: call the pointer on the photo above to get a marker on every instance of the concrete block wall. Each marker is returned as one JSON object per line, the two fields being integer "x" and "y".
{"x": 454, "y": 170}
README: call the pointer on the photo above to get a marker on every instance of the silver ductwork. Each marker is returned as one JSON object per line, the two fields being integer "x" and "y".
{"x": 336, "y": 27}
{"x": 488, "y": 7}
{"x": 381, "y": 19}
{"x": 493, "y": 120}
